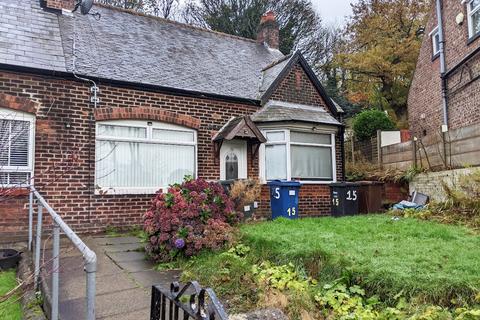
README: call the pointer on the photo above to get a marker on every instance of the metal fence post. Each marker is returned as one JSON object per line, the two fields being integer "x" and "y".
{"x": 30, "y": 220}
{"x": 91, "y": 269}
{"x": 55, "y": 270}
{"x": 38, "y": 243}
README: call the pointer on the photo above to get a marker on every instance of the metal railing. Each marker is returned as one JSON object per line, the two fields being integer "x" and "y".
{"x": 89, "y": 257}
{"x": 202, "y": 304}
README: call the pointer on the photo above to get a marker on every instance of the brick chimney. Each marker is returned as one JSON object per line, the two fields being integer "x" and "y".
{"x": 268, "y": 32}
{"x": 59, "y": 4}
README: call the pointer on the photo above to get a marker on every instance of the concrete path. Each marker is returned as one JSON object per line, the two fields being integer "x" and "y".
{"x": 124, "y": 279}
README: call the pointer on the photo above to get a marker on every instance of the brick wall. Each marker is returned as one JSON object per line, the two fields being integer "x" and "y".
{"x": 65, "y": 126}
{"x": 425, "y": 101}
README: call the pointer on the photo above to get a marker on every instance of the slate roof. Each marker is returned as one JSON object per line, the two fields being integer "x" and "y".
{"x": 277, "y": 111}
{"x": 29, "y": 36}
{"x": 122, "y": 45}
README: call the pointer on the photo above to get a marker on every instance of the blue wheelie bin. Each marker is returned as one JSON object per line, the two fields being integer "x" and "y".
{"x": 284, "y": 198}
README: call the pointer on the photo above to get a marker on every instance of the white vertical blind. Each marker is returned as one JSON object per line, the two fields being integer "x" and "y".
{"x": 311, "y": 162}
{"x": 276, "y": 161}
{"x": 16, "y": 148}
{"x": 156, "y": 157}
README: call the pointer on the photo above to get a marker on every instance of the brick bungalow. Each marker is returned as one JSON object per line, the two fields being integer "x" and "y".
{"x": 461, "y": 32}
{"x": 102, "y": 110}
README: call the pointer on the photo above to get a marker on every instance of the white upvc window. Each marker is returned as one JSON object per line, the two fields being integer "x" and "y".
{"x": 295, "y": 154}
{"x": 473, "y": 17}
{"x": 435, "y": 36}
{"x": 17, "y": 138}
{"x": 141, "y": 157}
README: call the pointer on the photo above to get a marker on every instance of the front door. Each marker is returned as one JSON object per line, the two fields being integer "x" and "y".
{"x": 233, "y": 160}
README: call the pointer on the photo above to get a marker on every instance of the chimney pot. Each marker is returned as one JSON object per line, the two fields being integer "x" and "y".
{"x": 268, "y": 32}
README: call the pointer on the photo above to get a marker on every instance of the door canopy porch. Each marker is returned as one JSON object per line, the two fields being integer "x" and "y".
{"x": 241, "y": 128}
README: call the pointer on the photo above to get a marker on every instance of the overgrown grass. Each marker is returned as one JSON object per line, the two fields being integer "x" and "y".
{"x": 425, "y": 262}
{"x": 422, "y": 260}
{"x": 10, "y": 309}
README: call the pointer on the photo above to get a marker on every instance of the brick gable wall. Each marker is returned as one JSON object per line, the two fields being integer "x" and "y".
{"x": 65, "y": 125}
{"x": 425, "y": 101}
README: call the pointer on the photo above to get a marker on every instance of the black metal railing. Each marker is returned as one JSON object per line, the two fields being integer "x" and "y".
{"x": 192, "y": 302}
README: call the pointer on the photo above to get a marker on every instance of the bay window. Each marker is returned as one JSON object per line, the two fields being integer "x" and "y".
{"x": 473, "y": 17}
{"x": 16, "y": 148}
{"x": 135, "y": 156}
{"x": 298, "y": 155}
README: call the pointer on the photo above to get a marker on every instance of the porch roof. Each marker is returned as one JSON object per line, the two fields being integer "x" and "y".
{"x": 239, "y": 127}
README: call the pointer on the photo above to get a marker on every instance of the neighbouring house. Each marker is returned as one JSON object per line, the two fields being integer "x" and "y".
{"x": 102, "y": 110}
{"x": 448, "y": 127}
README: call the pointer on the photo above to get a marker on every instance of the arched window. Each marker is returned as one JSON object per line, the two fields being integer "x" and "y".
{"x": 16, "y": 148}
{"x": 231, "y": 166}
{"x": 137, "y": 156}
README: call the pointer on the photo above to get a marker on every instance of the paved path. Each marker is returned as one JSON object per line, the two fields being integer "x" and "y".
{"x": 124, "y": 280}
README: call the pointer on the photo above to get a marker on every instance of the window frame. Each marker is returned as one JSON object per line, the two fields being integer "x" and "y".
{"x": 149, "y": 126}
{"x": 470, "y": 12}
{"x": 288, "y": 143}
{"x": 12, "y": 115}
{"x": 435, "y": 51}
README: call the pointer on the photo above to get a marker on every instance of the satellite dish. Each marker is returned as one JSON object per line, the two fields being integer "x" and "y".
{"x": 85, "y": 6}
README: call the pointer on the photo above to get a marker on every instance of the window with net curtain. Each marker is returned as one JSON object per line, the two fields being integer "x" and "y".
{"x": 139, "y": 155}
{"x": 16, "y": 148}
{"x": 299, "y": 155}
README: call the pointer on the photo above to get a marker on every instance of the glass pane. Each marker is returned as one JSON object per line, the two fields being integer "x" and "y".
{"x": 19, "y": 178}
{"x": 276, "y": 162}
{"x": 3, "y": 178}
{"x": 275, "y": 136}
{"x": 474, "y": 4}
{"x": 305, "y": 137}
{"x": 436, "y": 43}
{"x": 311, "y": 162}
{"x": 134, "y": 164}
{"x": 231, "y": 166}
{"x": 20, "y": 133}
{"x": 121, "y": 131}
{"x": 173, "y": 135}
{"x": 476, "y": 23}
{"x": 4, "y": 145}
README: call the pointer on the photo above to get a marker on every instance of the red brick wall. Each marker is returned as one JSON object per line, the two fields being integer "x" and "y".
{"x": 425, "y": 101}
{"x": 68, "y": 182}
{"x": 296, "y": 87}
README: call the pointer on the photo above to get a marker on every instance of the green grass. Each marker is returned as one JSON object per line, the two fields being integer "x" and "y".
{"x": 10, "y": 309}
{"x": 423, "y": 260}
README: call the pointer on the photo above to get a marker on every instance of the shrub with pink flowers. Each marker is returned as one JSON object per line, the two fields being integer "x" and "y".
{"x": 189, "y": 218}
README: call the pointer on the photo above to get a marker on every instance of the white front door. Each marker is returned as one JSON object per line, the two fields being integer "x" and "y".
{"x": 233, "y": 160}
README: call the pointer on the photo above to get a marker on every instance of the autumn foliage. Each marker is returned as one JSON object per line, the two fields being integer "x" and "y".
{"x": 190, "y": 217}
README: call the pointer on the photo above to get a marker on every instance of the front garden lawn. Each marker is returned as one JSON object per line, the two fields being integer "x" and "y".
{"x": 425, "y": 261}
{"x": 11, "y": 308}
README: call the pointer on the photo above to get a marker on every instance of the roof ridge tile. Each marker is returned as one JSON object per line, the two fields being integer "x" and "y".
{"x": 181, "y": 24}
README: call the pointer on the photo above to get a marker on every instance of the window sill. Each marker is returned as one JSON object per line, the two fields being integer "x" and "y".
{"x": 126, "y": 191}
{"x": 435, "y": 57}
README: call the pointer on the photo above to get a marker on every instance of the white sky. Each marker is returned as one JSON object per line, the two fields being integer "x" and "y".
{"x": 333, "y": 11}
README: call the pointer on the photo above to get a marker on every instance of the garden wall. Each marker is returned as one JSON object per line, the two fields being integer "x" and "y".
{"x": 431, "y": 183}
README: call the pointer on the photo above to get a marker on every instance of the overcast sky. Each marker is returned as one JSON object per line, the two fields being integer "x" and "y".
{"x": 333, "y": 11}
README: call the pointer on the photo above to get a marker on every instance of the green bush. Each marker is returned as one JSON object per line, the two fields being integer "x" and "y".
{"x": 367, "y": 122}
